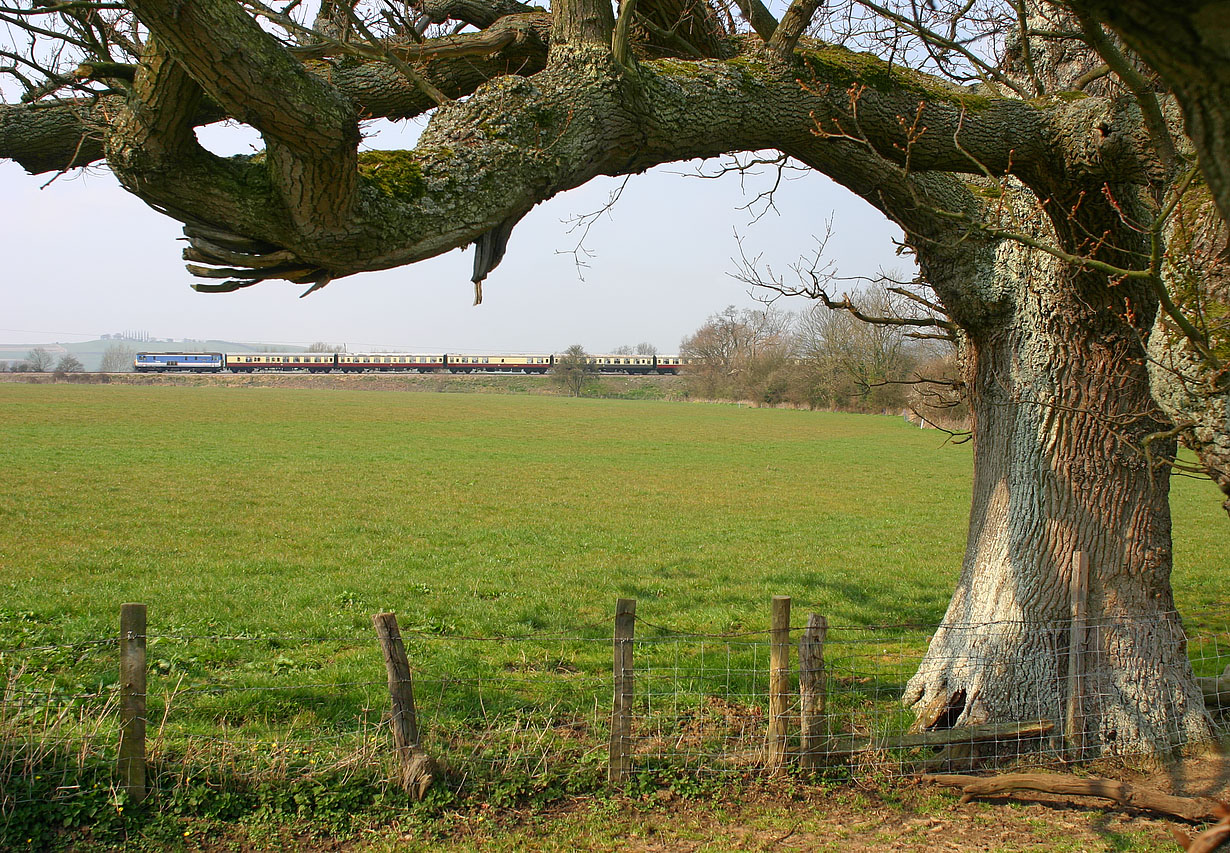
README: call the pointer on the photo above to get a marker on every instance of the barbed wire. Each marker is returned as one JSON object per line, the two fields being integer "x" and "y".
{"x": 575, "y": 634}
{"x": 701, "y": 701}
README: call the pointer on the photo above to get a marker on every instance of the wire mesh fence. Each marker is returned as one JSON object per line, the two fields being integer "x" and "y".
{"x": 219, "y": 710}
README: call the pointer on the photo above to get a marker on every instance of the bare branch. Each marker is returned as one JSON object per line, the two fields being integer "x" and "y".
{"x": 106, "y": 71}
{"x": 57, "y": 8}
{"x": 669, "y": 36}
{"x": 620, "y": 46}
{"x": 760, "y": 18}
{"x": 985, "y": 71}
{"x": 844, "y": 304}
{"x": 413, "y": 76}
{"x": 1095, "y": 73}
{"x": 794, "y": 24}
{"x": 477, "y": 13}
{"x": 585, "y": 221}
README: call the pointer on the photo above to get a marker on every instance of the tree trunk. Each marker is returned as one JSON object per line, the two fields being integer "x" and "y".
{"x": 1061, "y": 403}
{"x": 1193, "y": 389}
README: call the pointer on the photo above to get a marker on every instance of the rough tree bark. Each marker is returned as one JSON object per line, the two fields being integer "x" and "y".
{"x": 1193, "y": 391}
{"x": 1057, "y": 378}
{"x": 1188, "y": 43}
{"x": 1059, "y": 394}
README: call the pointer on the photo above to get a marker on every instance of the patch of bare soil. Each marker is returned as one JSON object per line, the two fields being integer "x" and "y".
{"x": 863, "y": 815}
{"x": 902, "y": 816}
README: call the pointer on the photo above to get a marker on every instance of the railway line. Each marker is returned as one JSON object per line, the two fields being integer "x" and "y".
{"x": 396, "y": 362}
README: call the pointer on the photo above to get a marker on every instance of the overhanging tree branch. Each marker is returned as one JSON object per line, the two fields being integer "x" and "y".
{"x": 794, "y": 23}
{"x": 478, "y": 13}
{"x": 310, "y": 130}
{"x": 762, "y": 21}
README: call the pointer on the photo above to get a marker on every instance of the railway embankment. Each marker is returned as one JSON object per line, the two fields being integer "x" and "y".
{"x": 618, "y": 387}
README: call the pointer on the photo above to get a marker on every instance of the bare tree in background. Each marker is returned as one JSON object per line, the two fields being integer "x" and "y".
{"x": 39, "y": 360}
{"x": 117, "y": 358}
{"x": 69, "y": 363}
{"x": 572, "y": 370}
{"x": 643, "y": 348}
{"x": 862, "y": 361}
{"x": 741, "y": 354}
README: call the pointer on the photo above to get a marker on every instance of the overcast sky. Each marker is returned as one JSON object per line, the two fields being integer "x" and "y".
{"x": 82, "y": 258}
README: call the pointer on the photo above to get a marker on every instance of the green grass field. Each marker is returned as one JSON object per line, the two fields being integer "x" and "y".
{"x": 256, "y": 521}
{"x": 269, "y": 511}
{"x": 296, "y": 512}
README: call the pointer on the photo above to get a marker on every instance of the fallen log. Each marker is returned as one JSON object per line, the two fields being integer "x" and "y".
{"x": 1216, "y": 690}
{"x": 843, "y": 746}
{"x": 1121, "y": 793}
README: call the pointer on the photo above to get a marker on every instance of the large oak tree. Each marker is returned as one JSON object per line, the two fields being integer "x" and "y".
{"x": 1051, "y": 200}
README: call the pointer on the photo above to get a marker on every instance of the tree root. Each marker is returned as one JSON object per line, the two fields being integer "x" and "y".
{"x": 1211, "y": 839}
{"x": 1121, "y": 793}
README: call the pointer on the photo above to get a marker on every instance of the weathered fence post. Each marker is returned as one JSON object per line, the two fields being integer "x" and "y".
{"x": 417, "y": 768}
{"x": 1075, "y": 723}
{"x": 621, "y": 711}
{"x": 132, "y": 700}
{"x": 811, "y": 691}
{"x": 779, "y": 682}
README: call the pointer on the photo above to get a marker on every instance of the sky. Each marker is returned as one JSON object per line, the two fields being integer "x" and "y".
{"x": 83, "y": 258}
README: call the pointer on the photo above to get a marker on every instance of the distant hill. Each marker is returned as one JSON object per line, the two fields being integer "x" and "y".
{"x": 11, "y": 353}
{"x": 91, "y": 352}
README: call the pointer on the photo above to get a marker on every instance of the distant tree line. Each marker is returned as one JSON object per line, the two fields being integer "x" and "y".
{"x": 41, "y": 360}
{"x": 824, "y": 358}
{"x": 116, "y": 358}
{"x": 820, "y": 358}
{"x": 639, "y": 349}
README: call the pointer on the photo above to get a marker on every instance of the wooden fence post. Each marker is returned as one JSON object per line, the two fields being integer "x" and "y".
{"x": 812, "y": 691}
{"x": 621, "y": 711}
{"x": 417, "y": 768}
{"x": 132, "y": 700}
{"x": 779, "y": 682}
{"x": 1075, "y": 723}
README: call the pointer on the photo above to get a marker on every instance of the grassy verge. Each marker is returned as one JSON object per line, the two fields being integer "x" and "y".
{"x": 263, "y": 527}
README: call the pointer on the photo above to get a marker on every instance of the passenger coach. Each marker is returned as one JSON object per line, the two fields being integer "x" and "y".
{"x": 311, "y": 362}
{"x": 388, "y": 361}
{"x": 621, "y": 363}
{"x": 499, "y": 363}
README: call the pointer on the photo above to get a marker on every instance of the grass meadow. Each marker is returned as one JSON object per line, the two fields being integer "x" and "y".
{"x": 298, "y": 512}
{"x": 263, "y": 528}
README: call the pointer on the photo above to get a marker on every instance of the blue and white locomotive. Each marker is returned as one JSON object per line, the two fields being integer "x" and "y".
{"x": 179, "y": 362}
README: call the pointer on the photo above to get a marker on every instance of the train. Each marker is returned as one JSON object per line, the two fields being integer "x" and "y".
{"x": 394, "y": 362}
